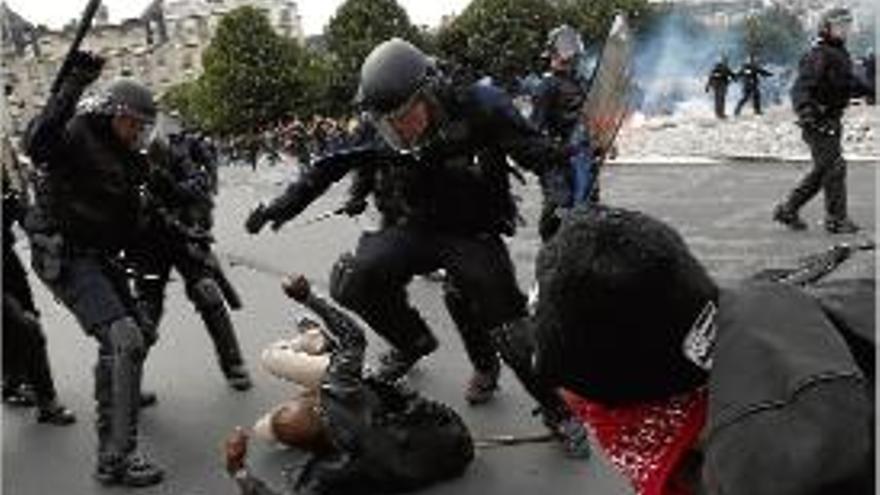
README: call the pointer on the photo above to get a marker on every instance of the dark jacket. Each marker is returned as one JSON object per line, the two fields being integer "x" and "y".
{"x": 458, "y": 183}
{"x": 385, "y": 439}
{"x": 91, "y": 182}
{"x": 557, "y": 105}
{"x": 750, "y": 74}
{"x": 824, "y": 82}
{"x": 720, "y": 76}
{"x": 790, "y": 409}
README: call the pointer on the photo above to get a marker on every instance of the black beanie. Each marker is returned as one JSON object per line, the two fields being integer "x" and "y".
{"x": 619, "y": 291}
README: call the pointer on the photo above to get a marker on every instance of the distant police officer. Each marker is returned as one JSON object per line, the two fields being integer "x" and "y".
{"x": 179, "y": 188}
{"x": 719, "y": 78}
{"x": 88, "y": 210}
{"x": 750, "y": 75}
{"x": 819, "y": 96}
{"x": 557, "y": 112}
{"x": 442, "y": 186}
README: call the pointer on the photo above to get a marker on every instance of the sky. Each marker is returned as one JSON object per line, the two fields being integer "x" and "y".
{"x": 315, "y": 13}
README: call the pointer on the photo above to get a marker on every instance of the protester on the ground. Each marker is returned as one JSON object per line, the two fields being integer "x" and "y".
{"x": 365, "y": 436}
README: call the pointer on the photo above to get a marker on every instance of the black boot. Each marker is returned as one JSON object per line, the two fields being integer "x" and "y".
{"x": 19, "y": 394}
{"x": 237, "y": 377}
{"x": 482, "y": 386}
{"x": 133, "y": 470}
{"x": 789, "y": 218}
{"x": 118, "y": 396}
{"x": 395, "y": 363}
{"x": 216, "y": 318}
{"x": 841, "y": 226}
{"x": 54, "y": 413}
{"x": 147, "y": 399}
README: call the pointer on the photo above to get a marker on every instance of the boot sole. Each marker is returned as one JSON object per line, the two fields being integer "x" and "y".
{"x": 117, "y": 480}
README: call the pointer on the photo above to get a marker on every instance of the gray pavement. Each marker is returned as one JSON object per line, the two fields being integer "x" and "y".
{"x": 722, "y": 211}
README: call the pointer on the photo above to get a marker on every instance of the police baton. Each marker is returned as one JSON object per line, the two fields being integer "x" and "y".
{"x": 323, "y": 216}
{"x": 493, "y": 441}
{"x": 85, "y": 22}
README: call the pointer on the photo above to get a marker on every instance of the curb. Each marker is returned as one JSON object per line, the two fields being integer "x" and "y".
{"x": 733, "y": 160}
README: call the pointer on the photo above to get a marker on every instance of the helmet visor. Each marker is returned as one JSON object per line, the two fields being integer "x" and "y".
{"x": 403, "y": 127}
{"x": 567, "y": 44}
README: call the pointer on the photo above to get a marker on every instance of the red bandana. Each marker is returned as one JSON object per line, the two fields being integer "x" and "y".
{"x": 647, "y": 441}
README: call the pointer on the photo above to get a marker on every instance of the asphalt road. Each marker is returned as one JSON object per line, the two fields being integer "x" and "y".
{"x": 722, "y": 210}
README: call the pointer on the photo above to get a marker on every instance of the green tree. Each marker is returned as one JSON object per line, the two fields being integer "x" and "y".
{"x": 500, "y": 38}
{"x": 505, "y": 38}
{"x": 356, "y": 28}
{"x": 593, "y": 17}
{"x": 181, "y": 98}
{"x": 774, "y": 35}
{"x": 251, "y": 75}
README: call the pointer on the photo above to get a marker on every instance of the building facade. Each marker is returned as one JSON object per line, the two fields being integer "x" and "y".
{"x": 160, "y": 48}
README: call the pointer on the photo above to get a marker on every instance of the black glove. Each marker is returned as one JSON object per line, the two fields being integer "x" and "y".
{"x": 353, "y": 207}
{"x": 810, "y": 121}
{"x": 256, "y": 219}
{"x": 85, "y": 67}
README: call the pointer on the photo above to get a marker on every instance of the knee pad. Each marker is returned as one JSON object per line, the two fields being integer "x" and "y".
{"x": 206, "y": 294}
{"x": 343, "y": 289}
{"x": 123, "y": 337}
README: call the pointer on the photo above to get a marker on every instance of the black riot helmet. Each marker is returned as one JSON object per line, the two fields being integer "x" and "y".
{"x": 392, "y": 73}
{"x": 128, "y": 98}
{"x": 125, "y": 96}
{"x": 396, "y": 76}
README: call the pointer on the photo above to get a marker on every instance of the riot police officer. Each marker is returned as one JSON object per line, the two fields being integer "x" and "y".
{"x": 819, "y": 96}
{"x": 557, "y": 112}
{"x": 750, "y": 74}
{"x": 87, "y": 211}
{"x": 719, "y": 79}
{"x": 180, "y": 206}
{"x": 441, "y": 182}
{"x": 27, "y": 376}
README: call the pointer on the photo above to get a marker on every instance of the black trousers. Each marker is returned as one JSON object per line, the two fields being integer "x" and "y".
{"x": 720, "y": 93}
{"x": 750, "y": 93}
{"x": 96, "y": 290}
{"x": 828, "y": 175}
{"x": 374, "y": 286}
{"x": 25, "y": 358}
{"x": 154, "y": 271}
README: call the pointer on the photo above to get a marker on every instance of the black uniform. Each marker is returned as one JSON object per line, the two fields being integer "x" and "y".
{"x": 25, "y": 360}
{"x": 819, "y": 96}
{"x": 180, "y": 190}
{"x": 719, "y": 79}
{"x": 557, "y": 109}
{"x": 87, "y": 211}
{"x": 384, "y": 439}
{"x": 443, "y": 207}
{"x": 750, "y": 74}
